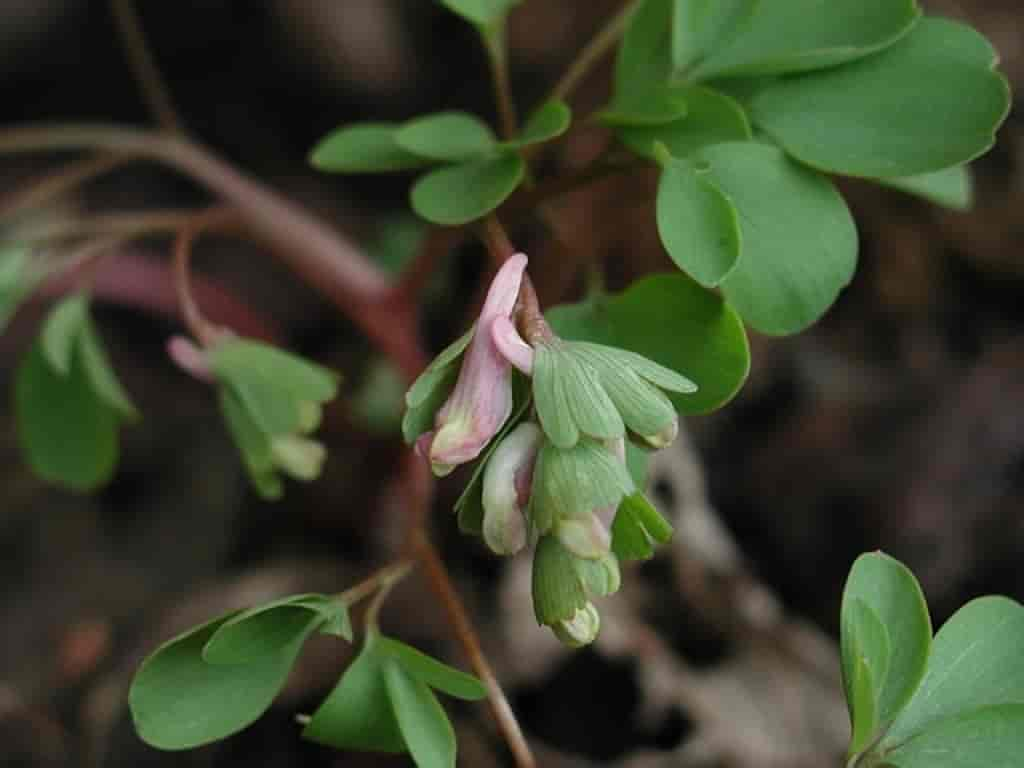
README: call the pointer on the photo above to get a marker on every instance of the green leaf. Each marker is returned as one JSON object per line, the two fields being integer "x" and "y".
{"x": 977, "y": 661}
{"x": 986, "y": 738}
{"x": 866, "y": 655}
{"x": 785, "y": 36}
{"x": 673, "y": 321}
{"x": 894, "y": 601}
{"x": 364, "y": 148}
{"x": 461, "y": 193}
{"x": 637, "y": 528}
{"x": 697, "y": 224}
{"x": 422, "y": 721}
{"x": 269, "y": 628}
{"x": 711, "y": 118}
{"x": 950, "y": 187}
{"x": 446, "y": 136}
{"x": 358, "y": 713}
{"x": 434, "y": 673}
{"x": 61, "y": 330}
{"x": 700, "y": 27}
{"x": 483, "y": 13}
{"x": 178, "y": 701}
{"x": 100, "y": 374}
{"x": 557, "y": 589}
{"x": 799, "y": 240}
{"x": 67, "y": 434}
{"x": 641, "y": 94}
{"x": 879, "y": 117}
{"x": 549, "y": 121}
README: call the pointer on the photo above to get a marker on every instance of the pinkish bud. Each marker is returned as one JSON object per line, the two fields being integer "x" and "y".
{"x": 482, "y": 399}
{"x": 504, "y": 500}
{"x": 190, "y": 358}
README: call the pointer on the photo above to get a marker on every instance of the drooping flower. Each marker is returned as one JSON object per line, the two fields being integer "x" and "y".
{"x": 271, "y": 401}
{"x": 476, "y": 407}
{"x": 506, "y": 489}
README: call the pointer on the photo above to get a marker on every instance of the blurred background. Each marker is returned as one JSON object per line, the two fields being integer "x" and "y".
{"x": 896, "y": 423}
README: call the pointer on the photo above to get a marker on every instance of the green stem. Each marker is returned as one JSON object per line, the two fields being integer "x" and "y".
{"x": 494, "y": 42}
{"x": 389, "y": 574}
{"x": 592, "y": 53}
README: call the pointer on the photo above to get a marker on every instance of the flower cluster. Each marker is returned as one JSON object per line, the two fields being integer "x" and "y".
{"x": 549, "y": 421}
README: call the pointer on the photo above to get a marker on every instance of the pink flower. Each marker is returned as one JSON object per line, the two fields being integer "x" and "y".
{"x": 482, "y": 399}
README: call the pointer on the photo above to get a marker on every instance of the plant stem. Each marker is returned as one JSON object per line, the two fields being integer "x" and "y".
{"x": 497, "y": 53}
{"x": 438, "y": 578}
{"x": 155, "y": 92}
{"x": 497, "y": 241}
{"x": 203, "y": 330}
{"x": 322, "y": 257}
{"x": 60, "y": 181}
{"x": 592, "y": 53}
{"x": 126, "y": 225}
{"x": 386, "y": 575}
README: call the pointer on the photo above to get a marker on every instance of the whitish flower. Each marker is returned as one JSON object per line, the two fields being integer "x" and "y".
{"x": 506, "y": 489}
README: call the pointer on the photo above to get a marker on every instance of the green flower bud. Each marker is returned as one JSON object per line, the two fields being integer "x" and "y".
{"x": 591, "y": 390}
{"x": 581, "y": 629}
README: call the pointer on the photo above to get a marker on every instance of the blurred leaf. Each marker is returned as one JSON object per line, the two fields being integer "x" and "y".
{"x": 641, "y": 93}
{"x": 364, "y": 148}
{"x": 701, "y": 27}
{"x": 483, "y": 13}
{"x": 550, "y": 120}
{"x": 67, "y": 434}
{"x": 866, "y": 656}
{"x": 178, "y": 701}
{"x": 253, "y": 444}
{"x": 422, "y": 721}
{"x": 786, "y": 36}
{"x": 61, "y": 329}
{"x": 446, "y": 136}
{"x": 950, "y": 187}
{"x": 100, "y": 374}
{"x": 879, "y": 117}
{"x": 18, "y": 278}
{"x": 459, "y": 194}
{"x": 673, "y": 321}
{"x": 799, "y": 240}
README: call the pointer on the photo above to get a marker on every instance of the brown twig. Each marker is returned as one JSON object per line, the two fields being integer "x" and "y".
{"x": 592, "y": 53}
{"x": 60, "y": 181}
{"x": 121, "y": 224}
{"x": 437, "y": 576}
{"x": 499, "y": 246}
{"x": 319, "y": 255}
{"x": 155, "y": 92}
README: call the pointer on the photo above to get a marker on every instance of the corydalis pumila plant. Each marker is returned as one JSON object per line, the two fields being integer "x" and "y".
{"x": 553, "y": 474}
